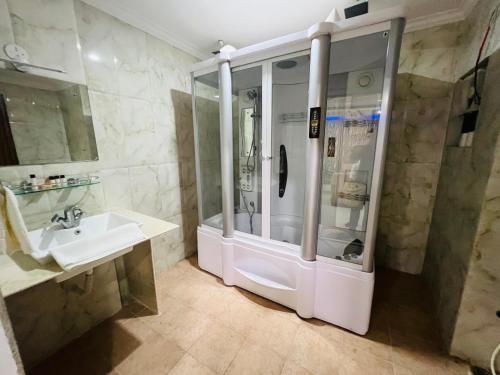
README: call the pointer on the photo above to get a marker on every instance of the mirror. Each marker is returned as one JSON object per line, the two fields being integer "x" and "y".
{"x": 44, "y": 121}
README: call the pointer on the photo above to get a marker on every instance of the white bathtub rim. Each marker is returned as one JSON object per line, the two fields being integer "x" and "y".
{"x": 291, "y": 249}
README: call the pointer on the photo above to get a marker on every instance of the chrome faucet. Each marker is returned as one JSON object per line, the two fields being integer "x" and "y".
{"x": 72, "y": 217}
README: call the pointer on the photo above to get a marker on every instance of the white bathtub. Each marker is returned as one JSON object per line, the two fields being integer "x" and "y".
{"x": 287, "y": 228}
{"x": 328, "y": 289}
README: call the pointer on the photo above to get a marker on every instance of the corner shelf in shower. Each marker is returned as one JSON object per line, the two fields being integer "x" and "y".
{"x": 21, "y": 191}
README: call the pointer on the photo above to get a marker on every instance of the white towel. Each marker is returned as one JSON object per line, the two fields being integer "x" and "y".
{"x": 70, "y": 255}
{"x": 12, "y": 219}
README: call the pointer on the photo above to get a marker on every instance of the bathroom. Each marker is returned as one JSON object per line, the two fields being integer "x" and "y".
{"x": 195, "y": 192}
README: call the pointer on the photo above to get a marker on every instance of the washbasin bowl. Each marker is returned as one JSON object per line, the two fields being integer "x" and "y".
{"x": 97, "y": 238}
{"x": 93, "y": 226}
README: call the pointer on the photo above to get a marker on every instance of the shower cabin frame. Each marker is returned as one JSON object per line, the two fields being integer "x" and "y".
{"x": 293, "y": 275}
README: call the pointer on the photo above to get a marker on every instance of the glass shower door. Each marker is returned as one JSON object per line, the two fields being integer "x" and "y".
{"x": 206, "y": 111}
{"x": 288, "y": 144}
{"x": 355, "y": 87}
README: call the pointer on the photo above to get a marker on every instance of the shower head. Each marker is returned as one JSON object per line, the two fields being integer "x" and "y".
{"x": 286, "y": 64}
{"x": 252, "y": 94}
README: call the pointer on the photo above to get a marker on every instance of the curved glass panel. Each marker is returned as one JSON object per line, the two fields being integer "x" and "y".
{"x": 355, "y": 86}
{"x": 206, "y": 91}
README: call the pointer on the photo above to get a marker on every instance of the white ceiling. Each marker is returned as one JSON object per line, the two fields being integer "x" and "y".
{"x": 196, "y": 25}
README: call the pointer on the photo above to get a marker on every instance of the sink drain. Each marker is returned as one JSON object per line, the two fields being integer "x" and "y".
{"x": 78, "y": 231}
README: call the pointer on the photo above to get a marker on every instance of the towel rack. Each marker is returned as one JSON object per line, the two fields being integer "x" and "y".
{"x": 15, "y": 62}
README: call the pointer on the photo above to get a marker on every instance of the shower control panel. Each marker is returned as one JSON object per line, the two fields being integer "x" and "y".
{"x": 246, "y": 178}
{"x": 314, "y": 122}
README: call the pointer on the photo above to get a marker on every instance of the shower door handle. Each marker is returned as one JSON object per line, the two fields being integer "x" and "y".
{"x": 283, "y": 171}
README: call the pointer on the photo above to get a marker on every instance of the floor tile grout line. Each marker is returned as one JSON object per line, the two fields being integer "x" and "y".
{"x": 287, "y": 357}
{"x": 232, "y": 360}
{"x": 175, "y": 364}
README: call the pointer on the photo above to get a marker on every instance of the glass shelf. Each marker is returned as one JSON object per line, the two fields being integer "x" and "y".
{"x": 21, "y": 191}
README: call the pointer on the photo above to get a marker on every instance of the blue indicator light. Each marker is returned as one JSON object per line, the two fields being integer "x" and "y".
{"x": 374, "y": 116}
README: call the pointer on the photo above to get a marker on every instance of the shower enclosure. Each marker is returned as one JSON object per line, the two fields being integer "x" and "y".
{"x": 290, "y": 145}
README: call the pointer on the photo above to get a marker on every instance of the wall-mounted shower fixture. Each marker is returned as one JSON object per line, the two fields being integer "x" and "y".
{"x": 249, "y": 113}
{"x": 252, "y": 151}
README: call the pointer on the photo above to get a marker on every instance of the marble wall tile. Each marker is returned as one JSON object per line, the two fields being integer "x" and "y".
{"x": 116, "y": 188}
{"x": 409, "y": 86}
{"x": 189, "y": 228}
{"x": 424, "y": 130}
{"x": 109, "y": 130}
{"x": 145, "y": 187}
{"x": 89, "y": 198}
{"x": 44, "y": 325}
{"x": 476, "y": 330}
{"x": 427, "y": 52}
{"x": 188, "y": 173}
{"x": 132, "y": 67}
{"x": 167, "y": 250}
{"x": 166, "y": 144}
{"x": 416, "y": 140}
{"x": 6, "y": 34}
{"x": 415, "y": 147}
{"x": 138, "y": 125}
{"x": 168, "y": 176}
{"x": 171, "y": 202}
{"x": 139, "y": 267}
{"x": 9, "y": 346}
{"x": 36, "y": 210}
{"x": 98, "y": 48}
{"x": 37, "y": 24}
{"x": 189, "y": 199}
{"x": 168, "y": 69}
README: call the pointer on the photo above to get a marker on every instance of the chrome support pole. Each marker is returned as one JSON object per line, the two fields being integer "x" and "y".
{"x": 318, "y": 84}
{"x": 391, "y": 69}
{"x": 226, "y": 147}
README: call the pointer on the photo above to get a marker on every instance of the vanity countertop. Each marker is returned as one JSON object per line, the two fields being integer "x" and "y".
{"x": 19, "y": 271}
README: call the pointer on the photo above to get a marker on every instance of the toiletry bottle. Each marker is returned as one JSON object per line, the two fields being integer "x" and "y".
{"x": 34, "y": 183}
{"x": 62, "y": 180}
{"x": 46, "y": 183}
{"x": 57, "y": 180}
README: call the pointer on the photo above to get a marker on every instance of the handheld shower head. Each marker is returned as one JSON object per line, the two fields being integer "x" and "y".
{"x": 252, "y": 94}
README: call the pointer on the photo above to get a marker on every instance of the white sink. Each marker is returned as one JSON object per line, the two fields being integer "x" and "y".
{"x": 96, "y": 240}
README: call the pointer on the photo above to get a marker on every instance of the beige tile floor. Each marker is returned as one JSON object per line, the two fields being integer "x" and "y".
{"x": 208, "y": 328}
